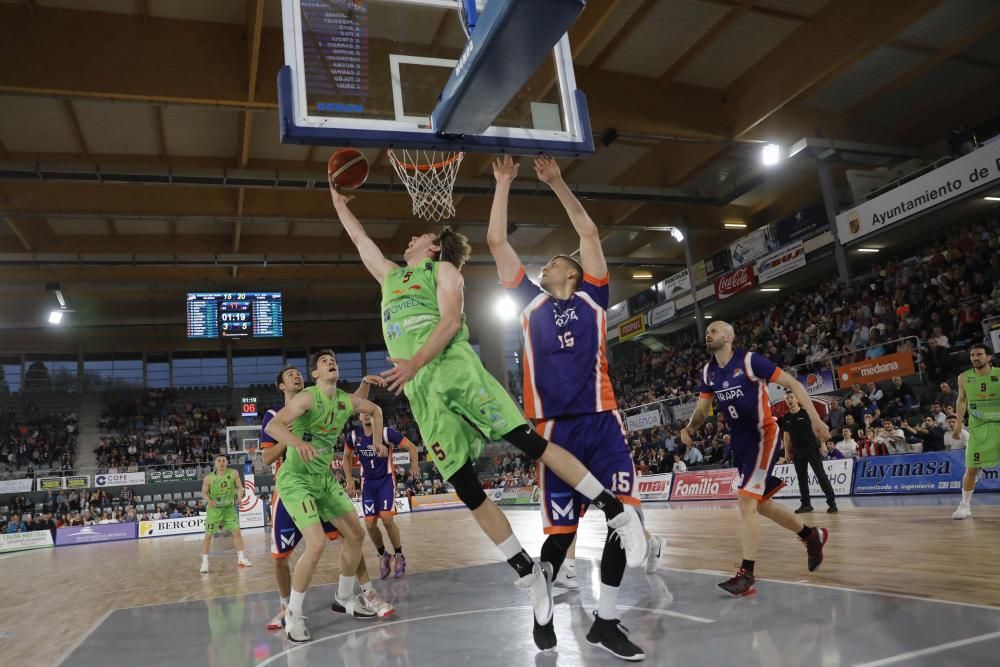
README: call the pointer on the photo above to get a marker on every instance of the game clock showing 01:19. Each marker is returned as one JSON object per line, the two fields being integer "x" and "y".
{"x": 249, "y": 406}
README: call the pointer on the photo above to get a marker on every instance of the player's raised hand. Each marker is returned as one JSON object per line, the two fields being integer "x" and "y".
{"x": 505, "y": 169}
{"x": 381, "y": 450}
{"x": 547, "y": 169}
{"x": 821, "y": 430}
{"x": 686, "y": 437}
{"x": 338, "y": 197}
{"x": 403, "y": 371}
{"x": 374, "y": 380}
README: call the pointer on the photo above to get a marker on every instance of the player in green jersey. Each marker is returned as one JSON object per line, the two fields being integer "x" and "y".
{"x": 979, "y": 393}
{"x": 219, "y": 491}
{"x": 456, "y": 402}
{"x": 310, "y": 425}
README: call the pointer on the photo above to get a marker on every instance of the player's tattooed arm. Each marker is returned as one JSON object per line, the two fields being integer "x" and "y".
{"x": 591, "y": 252}
{"x": 371, "y": 255}
{"x": 508, "y": 263}
{"x": 279, "y": 427}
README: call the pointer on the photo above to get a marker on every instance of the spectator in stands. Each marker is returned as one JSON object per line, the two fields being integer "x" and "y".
{"x": 935, "y": 360}
{"x": 29, "y": 523}
{"x": 679, "y": 465}
{"x": 931, "y": 434}
{"x": 938, "y": 415}
{"x": 950, "y": 441}
{"x": 851, "y": 424}
{"x": 947, "y": 396}
{"x": 857, "y": 393}
{"x": 694, "y": 456}
{"x": 877, "y": 349}
{"x": 130, "y": 516}
{"x": 829, "y": 452}
{"x": 899, "y": 398}
{"x": 892, "y": 439}
{"x": 126, "y": 495}
{"x": 47, "y": 523}
{"x": 835, "y": 416}
{"x": 17, "y": 524}
{"x": 847, "y": 445}
{"x": 874, "y": 393}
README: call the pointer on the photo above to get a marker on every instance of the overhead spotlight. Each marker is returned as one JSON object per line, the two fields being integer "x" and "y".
{"x": 677, "y": 234}
{"x": 505, "y": 308}
{"x": 641, "y": 275}
{"x": 872, "y": 250}
{"x": 770, "y": 155}
{"x": 770, "y": 289}
{"x": 609, "y": 137}
{"x": 992, "y": 198}
{"x": 708, "y": 317}
{"x": 55, "y": 317}
{"x": 734, "y": 225}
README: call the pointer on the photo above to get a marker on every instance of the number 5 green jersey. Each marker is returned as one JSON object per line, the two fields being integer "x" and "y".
{"x": 410, "y": 309}
{"x": 320, "y": 426}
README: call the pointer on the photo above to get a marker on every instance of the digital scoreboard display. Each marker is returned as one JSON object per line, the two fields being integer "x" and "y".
{"x": 249, "y": 404}
{"x": 234, "y": 315}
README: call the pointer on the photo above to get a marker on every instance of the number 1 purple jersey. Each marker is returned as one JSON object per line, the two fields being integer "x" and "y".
{"x": 374, "y": 467}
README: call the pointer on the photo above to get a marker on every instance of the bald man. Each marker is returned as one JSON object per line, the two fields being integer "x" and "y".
{"x": 737, "y": 380}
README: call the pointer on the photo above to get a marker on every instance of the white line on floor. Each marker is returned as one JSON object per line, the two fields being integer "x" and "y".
{"x": 717, "y": 573}
{"x": 929, "y": 650}
{"x": 667, "y": 612}
{"x": 84, "y": 636}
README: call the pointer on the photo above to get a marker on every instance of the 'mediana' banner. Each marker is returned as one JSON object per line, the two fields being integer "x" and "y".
{"x": 955, "y": 179}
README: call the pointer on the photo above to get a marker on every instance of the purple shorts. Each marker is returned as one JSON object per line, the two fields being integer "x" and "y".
{"x": 598, "y": 440}
{"x": 284, "y": 533}
{"x": 754, "y": 455}
{"x": 378, "y": 497}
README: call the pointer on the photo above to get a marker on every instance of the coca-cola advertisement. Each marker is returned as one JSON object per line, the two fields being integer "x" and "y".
{"x": 734, "y": 282}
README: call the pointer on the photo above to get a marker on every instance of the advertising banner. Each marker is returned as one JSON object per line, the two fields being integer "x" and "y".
{"x": 955, "y": 179}
{"x": 820, "y": 382}
{"x": 251, "y": 507}
{"x": 781, "y": 261}
{"x": 654, "y": 487}
{"x": 643, "y": 420}
{"x": 174, "y": 475}
{"x": 683, "y": 412}
{"x": 733, "y": 283}
{"x": 640, "y": 301}
{"x": 36, "y": 539}
{"x": 518, "y": 495}
{"x": 16, "y": 485}
{"x": 705, "y": 484}
{"x": 933, "y": 472}
{"x": 400, "y": 458}
{"x": 119, "y": 479}
{"x": 662, "y": 313}
{"x": 632, "y": 328}
{"x": 437, "y": 501}
{"x": 876, "y": 370}
{"x": 720, "y": 262}
{"x": 617, "y": 313}
{"x": 77, "y": 481}
{"x": 49, "y": 483}
{"x": 161, "y": 527}
{"x": 679, "y": 283}
{"x": 755, "y": 244}
{"x": 110, "y": 532}
{"x": 802, "y": 225}
{"x": 840, "y": 472}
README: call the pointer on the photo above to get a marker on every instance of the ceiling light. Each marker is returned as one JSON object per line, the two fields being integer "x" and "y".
{"x": 641, "y": 275}
{"x": 867, "y": 249}
{"x": 677, "y": 234}
{"x": 55, "y": 317}
{"x": 992, "y": 198}
{"x": 770, "y": 154}
{"x": 734, "y": 225}
{"x": 708, "y": 317}
{"x": 770, "y": 289}
{"x": 505, "y": 308}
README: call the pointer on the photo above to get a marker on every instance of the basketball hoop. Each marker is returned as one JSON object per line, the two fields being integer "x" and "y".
{"x": 429, "y": 177}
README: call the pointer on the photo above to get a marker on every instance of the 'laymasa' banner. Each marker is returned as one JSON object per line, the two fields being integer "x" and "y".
{"x": 932, "y": 472}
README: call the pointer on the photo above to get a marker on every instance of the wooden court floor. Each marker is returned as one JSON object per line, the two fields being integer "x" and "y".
{"x": 53, "y": 597}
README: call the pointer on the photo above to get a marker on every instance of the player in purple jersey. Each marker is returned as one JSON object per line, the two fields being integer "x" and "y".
{"x": 378, "y": 488}
{"x": 737, "y": 381}
{"x": 285, "y": 535}
{"x": 567, "y": 389}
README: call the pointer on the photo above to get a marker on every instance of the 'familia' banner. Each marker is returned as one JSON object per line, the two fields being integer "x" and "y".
{"x": 933, "y": 472}
{"x": 955, "y": 179}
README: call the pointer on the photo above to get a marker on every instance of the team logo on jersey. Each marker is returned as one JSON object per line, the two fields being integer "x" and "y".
{"x": 738, "y": 372}
{"x": 370, "y": 508}
{"x": 566, "y": 316}
{"x": 341, "y": 405}
{"x": 393, "y": 331}
{"x": 725, "y": 385}
{"x": 562, "y": 512}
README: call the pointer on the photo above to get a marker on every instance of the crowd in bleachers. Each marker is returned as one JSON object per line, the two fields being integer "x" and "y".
{"x": 159, "y": 427}
{"x": 34, "y": 442}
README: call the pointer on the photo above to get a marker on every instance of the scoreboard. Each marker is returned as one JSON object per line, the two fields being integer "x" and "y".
{"x": 234, "y": 315}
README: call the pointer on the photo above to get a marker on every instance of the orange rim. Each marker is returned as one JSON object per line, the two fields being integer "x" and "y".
{"x": 424, "y": 167}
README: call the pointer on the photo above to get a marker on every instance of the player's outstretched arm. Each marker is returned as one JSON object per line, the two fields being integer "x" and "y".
{"x": 366, "y": 383}
{"x": 591, "y": 252}
{"x": 371, "y": 255}
{"x": 508, "y": 263}
{"x": 450, "y": 287}
{"x": 411, "y": 448}
{"x": 698, "y": 417}
{"x": 364, "y": 406}
{"x": 960, "y": 406}
{"x": 279, "y": 427}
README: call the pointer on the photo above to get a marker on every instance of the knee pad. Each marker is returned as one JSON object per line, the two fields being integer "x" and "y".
{"x": 529, "y": 442}
{"x": 467, "y": 486}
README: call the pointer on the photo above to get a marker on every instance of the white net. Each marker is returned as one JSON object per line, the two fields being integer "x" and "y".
{"x": 429, "y": 177}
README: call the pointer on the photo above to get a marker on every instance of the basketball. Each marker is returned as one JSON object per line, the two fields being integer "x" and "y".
{"x": 348, "y": 167}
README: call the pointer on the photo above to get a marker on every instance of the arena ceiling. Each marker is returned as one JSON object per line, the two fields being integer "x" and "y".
{"x": 139, "y": 153}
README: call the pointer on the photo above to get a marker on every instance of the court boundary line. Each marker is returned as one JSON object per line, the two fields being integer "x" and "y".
{"x": 847, "y": 588}
{"x": 930, "y": 650}
{"x": 449, "y": 614}
{"x": 82, "y": 638}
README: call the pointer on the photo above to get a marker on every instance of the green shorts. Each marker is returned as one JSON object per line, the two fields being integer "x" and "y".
{"x": 221, "y": 516}
{"x": 983, "y": 450}
{"x": 457, "y": 404}
{"x": 310, "y": 499}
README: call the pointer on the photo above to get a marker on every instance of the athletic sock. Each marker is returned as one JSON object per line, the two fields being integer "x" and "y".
{"x": 367, "y": 586}
{"x": 590, "y": 487}
{"x": 805, "y": 532}
{"x": 204, "y": 559}
{"x": 607, "y": 602}
{"x": 284, "y": 601}
{"x": 748, "y": 566}
{"x": 381, "y": 551}
{"x": 345, "y": 588}
{"x": 295, "y": 601}
{"x": 398, "y": 550}
{"x": 240, "y": 556}
{"x": 510, "y": 547}
{"x": 967, "y": 497}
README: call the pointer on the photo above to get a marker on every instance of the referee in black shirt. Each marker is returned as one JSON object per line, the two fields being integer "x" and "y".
{"x": 802, "y": 447}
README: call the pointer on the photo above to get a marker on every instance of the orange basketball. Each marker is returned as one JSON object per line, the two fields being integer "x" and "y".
{"x": 348, "y": 167}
